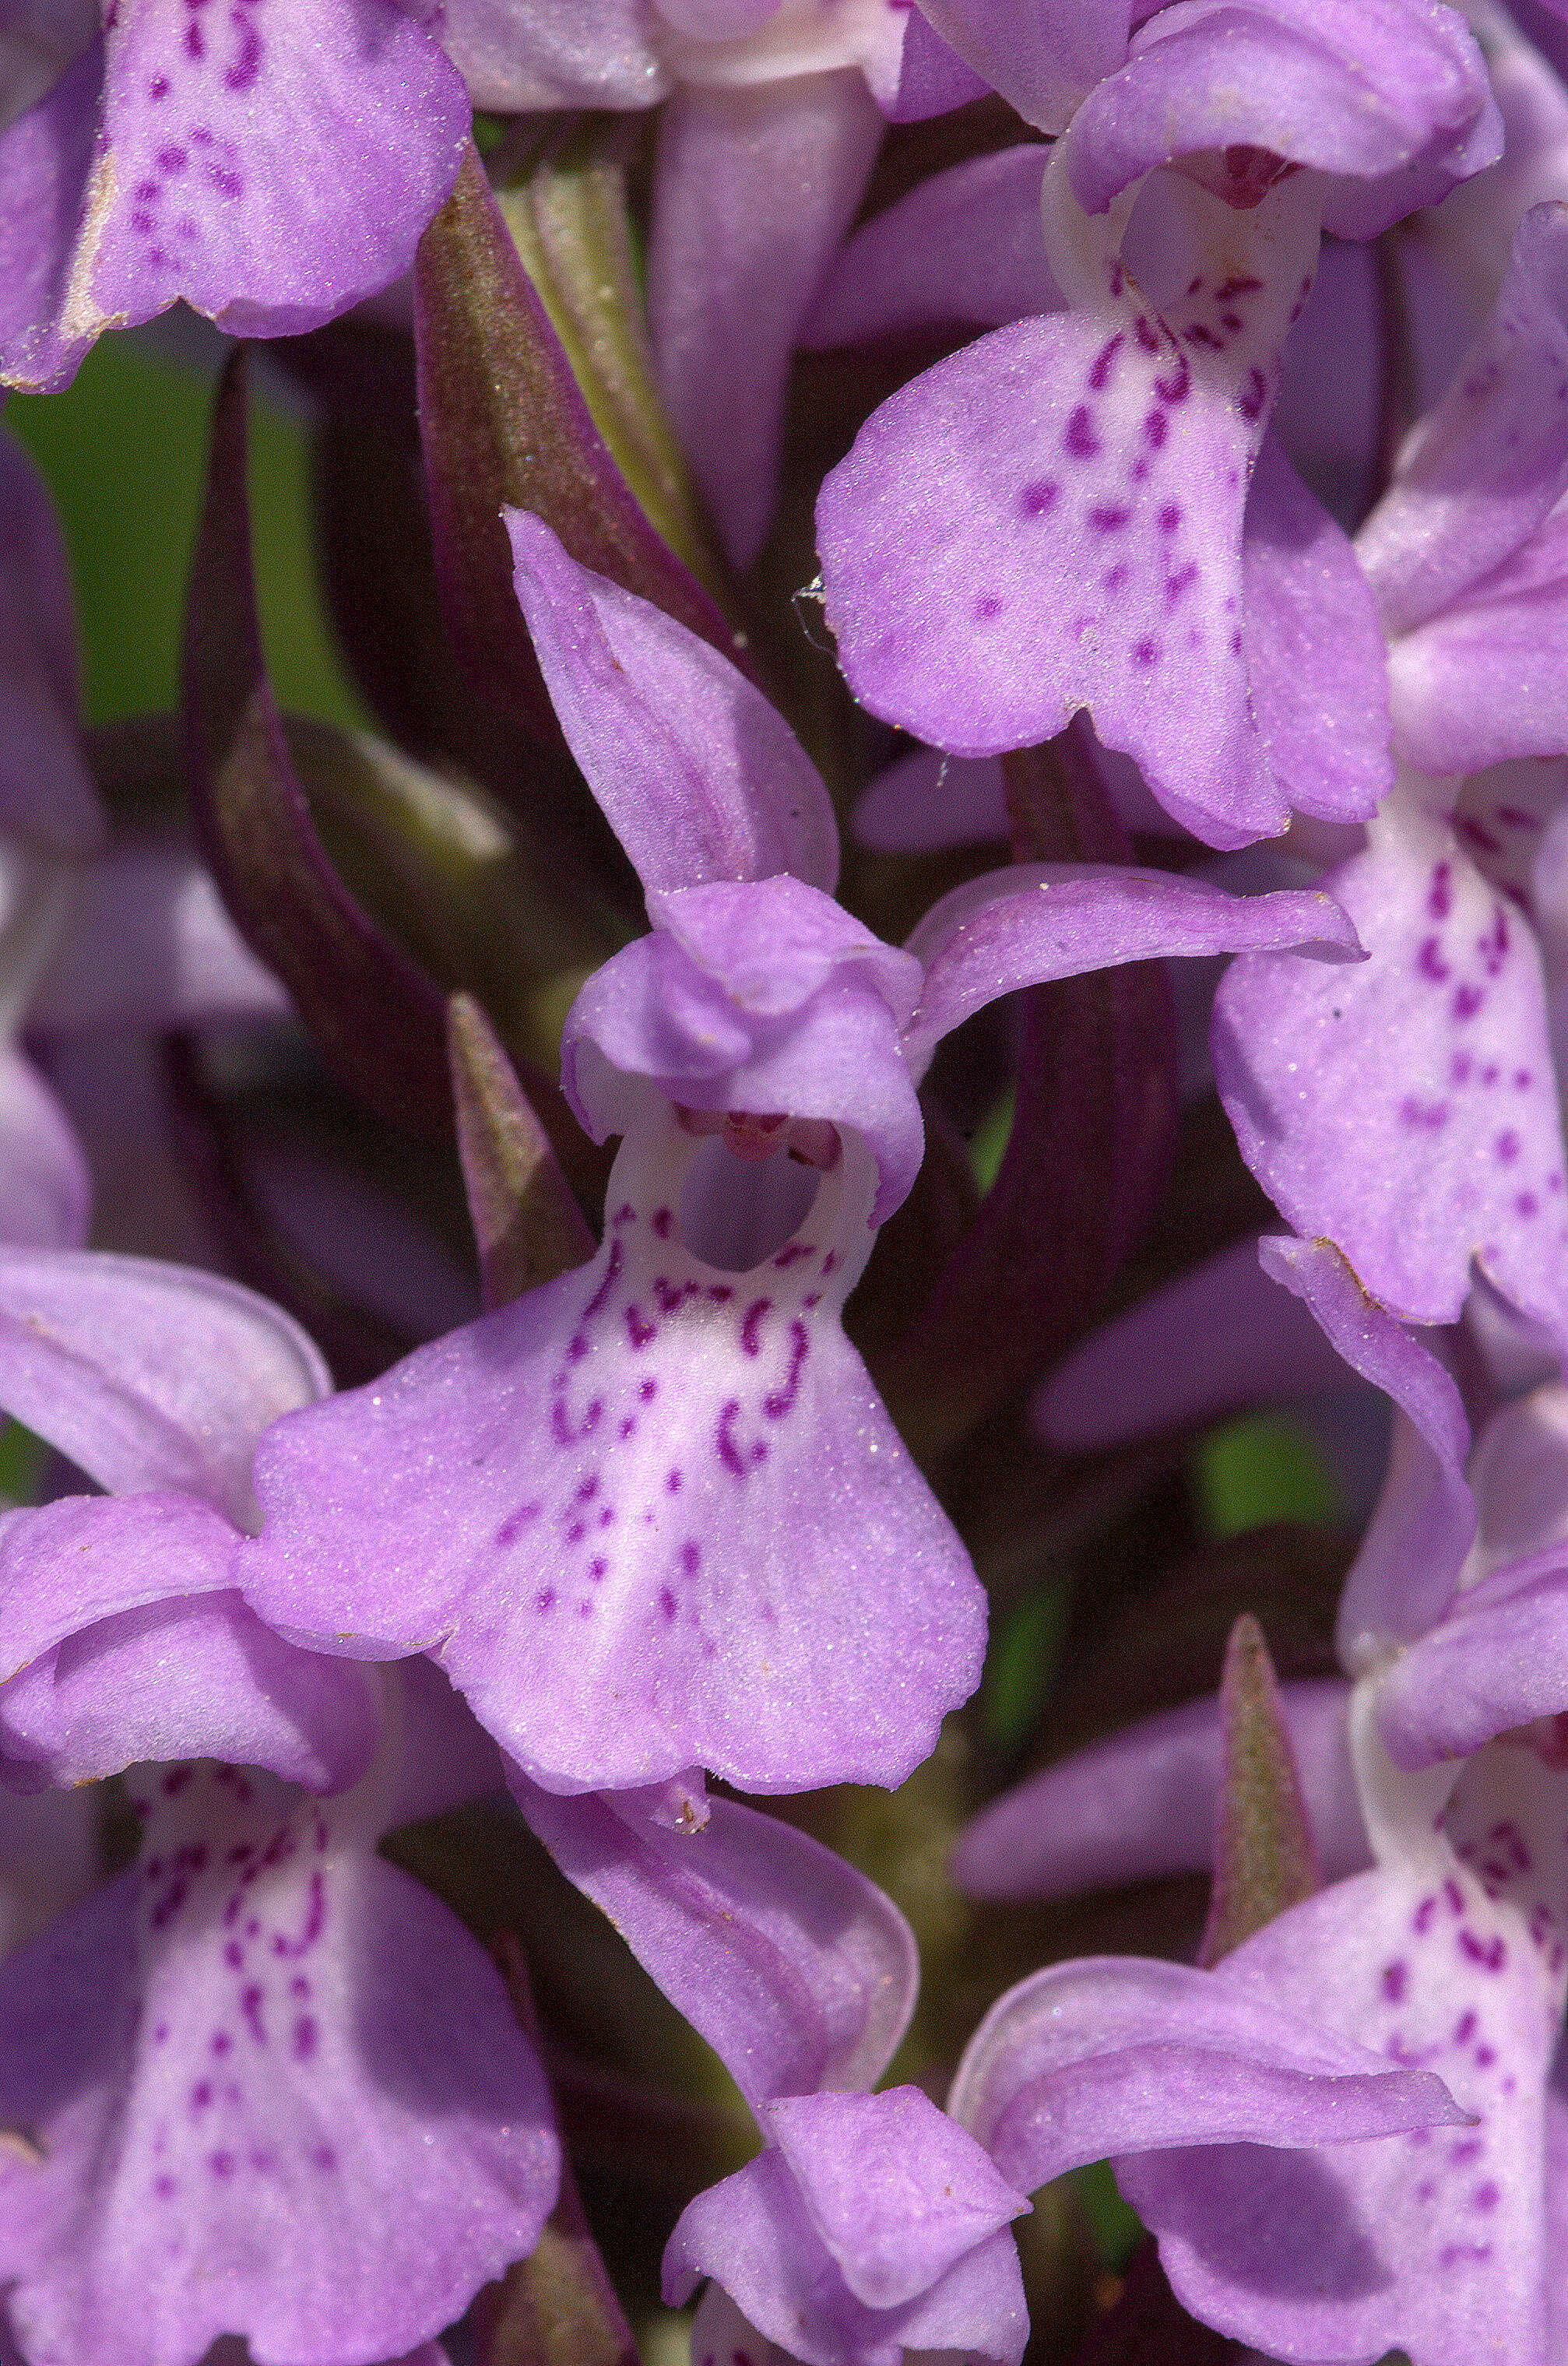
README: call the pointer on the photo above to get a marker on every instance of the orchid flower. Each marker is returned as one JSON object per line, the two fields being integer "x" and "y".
{"x": 1075, "y": 486}
{"x": 270, "y": 2084}
{"x": 654, "y": 1516}
{"x": 1450, "y": 1950}
{"x": 1452, "y": 1160}
{"x": 270, "y": 165}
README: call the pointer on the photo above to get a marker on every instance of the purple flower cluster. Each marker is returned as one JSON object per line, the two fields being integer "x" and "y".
{"x": 1174, "y": 400}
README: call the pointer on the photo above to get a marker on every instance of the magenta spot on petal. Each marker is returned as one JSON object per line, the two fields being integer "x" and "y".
{"x": 662, "y": 1220}
{"x": 1486, "y": 2197}
{"x": 1146, "y": 335}
{"x": 1157, "y": 427}
{"x": 324, "y": 2157}
{"x": 750, "y": 1326}
{"x": 1182, "y": 580}
{"x": 159, "y": 86}
{"x": 1179, "y": 385}
{"x": 251, "y": 2007}
{"x": 1421, "y": 1921}
{"x": 667, "y": 1603}
{"x": 163, "y": 2186}
{"x": 984, "y": 609}
{"x": 728, "y": 1452}
{"x": 172, "y": 160}
{"x": 1253, "y": 396}
{"x": 1527, "y": 1204}
{"x": 598, "y": 1570}
{"x": 1467, "y": 1001}
{"x": 221, "y": 2164}
{"x": 648, "y": 1391}
{"x": 1396, "y": 1980}
{"x": 1099, "y": 369}
{"x": 1430, "y": 963}
{"x": 201, "y": 2095}
{"x": 1110, "y": 517}
{"x": 221, "y": 2042}
{"x": 640, "y": 1331}
{"x": 672, "y": 1483}
{"x": 544, "y": 1601}
{"x": 1037, "y": 498}
{"x": 307, "y": 2036}
{"x": 1145, "y": 652}
{"x": 1079, "y": 437}
{"x": 514, "y": 1525}
{"x": 690, "y": 1558}
{"x": 1507, "y": 1148}
{"x": 196, "y": 41}
{"x": 1490, "y": 1953}
{"x": 233, "y": 1954}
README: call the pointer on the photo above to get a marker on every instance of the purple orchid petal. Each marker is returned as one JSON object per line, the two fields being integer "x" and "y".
{"x": 148, "y": 1375}
{"x": 1479, "y": 683}
{"x": 121, "y": 1640}
{"x": 897, "y": 2191}
{"x": 756, "y": 2235}
{"x": 1038, "y": 920}
{"x": 1223, "y": 1335}
{"x": 1434, "y": 2243}
{"x": 46, "y": 156}
{"x": 932, "y": 78}
{"x": 1043, "y": 58}
{"x": 1316, "y": 656}
{"x": 1450, "y": 1153}
{"x": 700, "y": 777}
{"x": 643, "y": 1514}
{"x": 1112, "y": 2053}
{"x": 148, "y": 942}
{"x": 276, "y": 2088}
{"x": 1141, "y": 1803}
{"x": 1052, "y": 519}
{"x": 758, "y": 997}
{"x": 1486, "y": 467}
{"x": 964, "y": 245}
{"x": 797, "y": 1970}
{"x": 1498, "y": 1660}
{"x": 519, "y": 55}
{"x": 47, "y": 795}
{"x": 926, "y": 801}
{"x": 269, "y": 172}
{"x": 732, "y": 270}
{"x": 1405, "y": 1575}
{"x": 1358, "y": 89}
{"x": 45, "y": 1188}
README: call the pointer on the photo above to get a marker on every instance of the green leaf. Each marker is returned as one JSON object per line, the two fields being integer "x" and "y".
{"x": 527, "y": 1225}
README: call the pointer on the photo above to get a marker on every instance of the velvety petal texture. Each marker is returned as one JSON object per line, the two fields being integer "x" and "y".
{"x": 273, "y": 2086}
{"x": 271, "y": 170}
{"x": 1415, "y": 1546}
{"x": 1484, "y": 467}
{"x": 1357, "y": 89}
{"x": 797, "y": 1970}
{"x": 870, "y": 2225}
{"x": 1450, "y": 1955}
{"x": 700, "y": 778}
{"x": 643, "y": 1514}
{"x": 1114, "y": 2053}
{"x": 148, "y": 1375}
{"x": 1052, "y": 519}
{"x": 754, "y": 189}
{"x": 121, "y": 1638}
{"x": 1454, "y": 1152}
